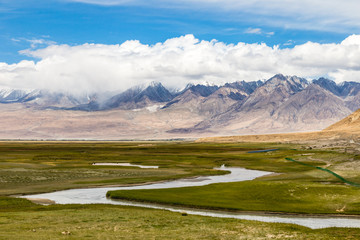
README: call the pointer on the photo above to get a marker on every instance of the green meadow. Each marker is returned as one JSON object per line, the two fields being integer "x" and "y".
{"x": 35, "y": 167}
{"x": 257, "y": 195}
{"x": 21, "y": 219}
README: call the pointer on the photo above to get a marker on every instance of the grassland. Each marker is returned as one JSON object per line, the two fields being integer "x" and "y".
{"x": 27, "y": 167}
{"x": 299, "y": 189}
{"x": 262, "y": 196}
{"x": 20, "y": 219}
{"x": 32, "y": 167}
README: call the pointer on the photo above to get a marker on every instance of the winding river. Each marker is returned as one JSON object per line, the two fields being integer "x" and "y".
{"x": 98, "y": 196}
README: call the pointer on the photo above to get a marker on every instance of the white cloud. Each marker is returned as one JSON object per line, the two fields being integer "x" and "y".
{"x": 177, "y": 62}
{"x": 289, "y": 43}
{"x": 324, "y": 15}
{"x": 253, "y": 31}
{"x": 258, "y": 31}
{"x": 107, "y": 2}
{"x": 34, "y": 43}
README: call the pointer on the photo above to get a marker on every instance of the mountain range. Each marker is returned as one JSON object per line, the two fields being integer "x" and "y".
{"x": 279, "y": 104}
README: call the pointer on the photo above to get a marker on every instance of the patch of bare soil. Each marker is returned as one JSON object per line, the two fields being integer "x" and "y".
{"x": 42, "y": 201}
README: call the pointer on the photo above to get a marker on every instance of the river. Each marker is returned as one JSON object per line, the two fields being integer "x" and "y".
{"x": 98, "y": 196}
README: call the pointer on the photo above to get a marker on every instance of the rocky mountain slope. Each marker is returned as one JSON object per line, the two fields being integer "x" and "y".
{"x": 350, "y": 124}
{"x": 139, "y": 97}
{"x": 211, "y": 100}
{"x": 279, "y": 104}
{"x": 343, "y": 134}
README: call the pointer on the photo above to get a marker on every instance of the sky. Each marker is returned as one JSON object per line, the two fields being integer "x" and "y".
{"x": 102, "y": 45}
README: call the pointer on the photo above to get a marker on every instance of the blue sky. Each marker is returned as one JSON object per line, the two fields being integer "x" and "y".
{"x": 113, "y": 22}
{"x": 103, "y": 45}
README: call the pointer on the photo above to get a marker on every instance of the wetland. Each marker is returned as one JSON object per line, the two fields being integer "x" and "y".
{"x": 40, "y": 167}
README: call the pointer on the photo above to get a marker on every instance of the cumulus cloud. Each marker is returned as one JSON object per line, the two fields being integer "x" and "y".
{"x": 175, "y": 63}
{"x": 325, "y": 15}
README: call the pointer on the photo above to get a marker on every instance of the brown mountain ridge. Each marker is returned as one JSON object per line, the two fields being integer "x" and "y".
{"x": 278, "y": 105}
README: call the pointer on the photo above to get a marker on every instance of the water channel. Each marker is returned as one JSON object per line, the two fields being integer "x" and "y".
{"x": 124, "y": 165}
{"x": 98, "y": 196}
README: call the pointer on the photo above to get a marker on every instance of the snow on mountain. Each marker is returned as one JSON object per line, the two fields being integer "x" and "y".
{"x": 279, "y": 104}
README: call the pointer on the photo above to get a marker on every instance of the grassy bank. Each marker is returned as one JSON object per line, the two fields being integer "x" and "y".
{"x": 29, "y": 167}
{"x": 287, "y": 197}
{"x": 310, "y": 190}
{"x": 23, "y": 220}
